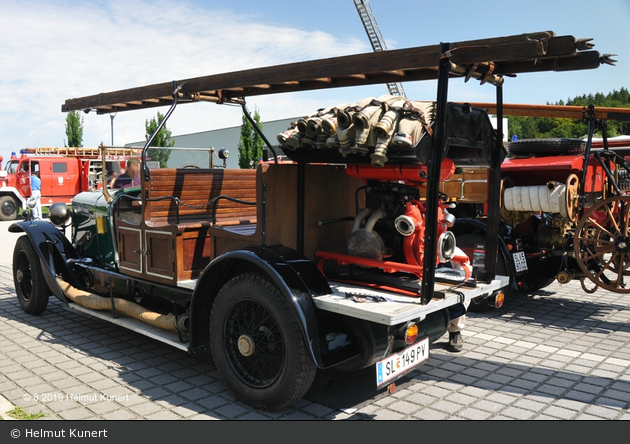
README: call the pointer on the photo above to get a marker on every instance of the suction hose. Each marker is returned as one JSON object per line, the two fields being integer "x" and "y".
{"x": 122, "y": 306}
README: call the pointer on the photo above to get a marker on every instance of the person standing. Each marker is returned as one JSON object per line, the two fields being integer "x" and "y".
{"x": 457, "y": 313}
{"x": 36, "y": 193}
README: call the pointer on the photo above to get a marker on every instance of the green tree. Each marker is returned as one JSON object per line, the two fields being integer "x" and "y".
{"x": 250, "y": 145}
{"x": 74, "y": 130}
{"x": 162, "y": 139}
{"x": 537, "y": 127}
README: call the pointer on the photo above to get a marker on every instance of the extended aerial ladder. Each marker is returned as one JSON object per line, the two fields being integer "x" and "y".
{"x": 376, "y": 39}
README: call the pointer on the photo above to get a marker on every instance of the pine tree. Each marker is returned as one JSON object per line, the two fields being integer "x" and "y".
{"x": 250, "y": 145}
{"x": 74, "y": 130}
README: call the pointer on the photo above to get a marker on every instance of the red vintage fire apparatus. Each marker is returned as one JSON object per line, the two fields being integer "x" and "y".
{"x": 564, "y": 204}
{"x": 65, "y": 172}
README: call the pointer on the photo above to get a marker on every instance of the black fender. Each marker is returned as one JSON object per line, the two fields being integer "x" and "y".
{"x": 53, "y": 249}
{"x": 297, "y": 278}
{"x": 464, "y": 226}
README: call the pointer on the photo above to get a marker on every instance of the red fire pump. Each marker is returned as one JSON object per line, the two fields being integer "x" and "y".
{"x": 389, "y": 233}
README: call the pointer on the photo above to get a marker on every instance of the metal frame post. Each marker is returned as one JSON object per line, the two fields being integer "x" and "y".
{"x": 494, "y": 194}
{"x": 301, "y": 203}
{"x": 145, "y": 168}
{"x": 433, "y": 182}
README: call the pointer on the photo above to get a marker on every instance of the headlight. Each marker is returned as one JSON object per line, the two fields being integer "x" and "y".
{"x": 59, "y": 214}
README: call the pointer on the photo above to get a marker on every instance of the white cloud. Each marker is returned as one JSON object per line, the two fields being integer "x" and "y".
{"x": 52, "y": 51}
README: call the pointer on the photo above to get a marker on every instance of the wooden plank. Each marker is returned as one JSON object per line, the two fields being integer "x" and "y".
{"x": 281, "y": 213}
{"x": 525, "y": 49}
{"x": 555, "y": 111}
{"x": 329, "y": 195}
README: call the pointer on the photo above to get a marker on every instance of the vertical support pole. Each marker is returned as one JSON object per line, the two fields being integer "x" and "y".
{"x": 494, "y": 194}
{"x": 433, "y": 182}
{"x": 301, "y": 197}
{"x": 590, "y": 117}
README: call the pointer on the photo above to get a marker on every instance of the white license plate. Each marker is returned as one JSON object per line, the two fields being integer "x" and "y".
{"x": 398, "y": 365}
{"x": 520, "y": 262}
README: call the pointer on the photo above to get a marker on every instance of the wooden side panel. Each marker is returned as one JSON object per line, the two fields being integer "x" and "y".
{"x": 281, "y": 211}
{"x": 160, "y": 254}
{"x": 197, "y": 252}
{"x": 471, "y": 186}
{"x": 330, "y": 194}
{"x": 129, "y": 247}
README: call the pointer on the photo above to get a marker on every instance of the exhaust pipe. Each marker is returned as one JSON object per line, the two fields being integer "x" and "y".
{"x": 365, "y": 242}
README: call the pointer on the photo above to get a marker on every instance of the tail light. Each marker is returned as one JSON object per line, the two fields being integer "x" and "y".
{"x": 411, "y": 334}
{"x": 499, "y": 299}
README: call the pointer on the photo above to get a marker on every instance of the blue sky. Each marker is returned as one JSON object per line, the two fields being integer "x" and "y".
{"x": 54, "y": 50}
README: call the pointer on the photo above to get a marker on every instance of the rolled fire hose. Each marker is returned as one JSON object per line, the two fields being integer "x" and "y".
{"x": 122, "y": 306}
{"x": 550, "y": 198}
{"x": 411, "y": 127}
{"x": 384, "y": 131}
{"x": 368, "y": 118}
{"x": 345, "y": 137}
{"x": 344, "y": 115}
{"x": 329, "y": 121}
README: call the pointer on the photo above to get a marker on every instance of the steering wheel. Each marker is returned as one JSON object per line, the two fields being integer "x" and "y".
{"x": 190, "y": 165}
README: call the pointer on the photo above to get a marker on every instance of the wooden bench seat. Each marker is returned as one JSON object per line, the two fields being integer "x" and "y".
{"x": 182, "y": 197}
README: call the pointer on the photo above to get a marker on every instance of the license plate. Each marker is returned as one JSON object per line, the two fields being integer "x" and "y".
{"x": 398, "y": 365}
{"x": 520, "y": 262}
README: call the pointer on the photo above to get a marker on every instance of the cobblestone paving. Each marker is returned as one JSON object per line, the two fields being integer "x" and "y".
{"x": 556, "y": 354}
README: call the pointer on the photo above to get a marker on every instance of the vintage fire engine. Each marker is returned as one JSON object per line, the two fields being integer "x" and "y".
{"x": 65, "y": 172}
{"x": 341, "y": 259}
{"x": 563, "y": 204}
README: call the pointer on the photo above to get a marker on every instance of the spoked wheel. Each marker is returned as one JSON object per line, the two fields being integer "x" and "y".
{"x": 28, "y": 278}
{"x": 602, "y": 244}
{"x": 257, "y": 344}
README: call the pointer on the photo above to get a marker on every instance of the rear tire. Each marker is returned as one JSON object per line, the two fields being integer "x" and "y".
{"x": 28, "y": 278}
{"x": 258, "y": 345}
{"x": 467, "y": 243}
{"x": 536, "y": 283}
{"x": 8, "y": 208}
{"x": 546, "y": 147}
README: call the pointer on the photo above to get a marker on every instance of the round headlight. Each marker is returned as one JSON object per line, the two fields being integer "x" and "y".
{"x": 59, "y": 214}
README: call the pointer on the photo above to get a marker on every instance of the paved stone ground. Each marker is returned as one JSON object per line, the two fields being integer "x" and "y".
{"x": 557, "y": 354}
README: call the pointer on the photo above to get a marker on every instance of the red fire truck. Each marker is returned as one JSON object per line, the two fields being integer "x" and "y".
{"x": 64, "y": 172}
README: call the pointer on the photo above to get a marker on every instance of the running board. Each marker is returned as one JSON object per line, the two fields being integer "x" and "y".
{"x": 140, "y": 327}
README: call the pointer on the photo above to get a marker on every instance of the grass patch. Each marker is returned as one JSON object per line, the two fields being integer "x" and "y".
{"x": 19, "y": 413}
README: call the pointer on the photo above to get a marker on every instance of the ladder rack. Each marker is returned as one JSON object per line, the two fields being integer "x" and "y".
{"x": 83, "y": 152}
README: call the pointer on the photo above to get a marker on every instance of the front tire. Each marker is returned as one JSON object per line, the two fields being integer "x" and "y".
{"x": 28, "y": 278}
{"x": 8, "y": 208}
{"x": 257, "y": 344}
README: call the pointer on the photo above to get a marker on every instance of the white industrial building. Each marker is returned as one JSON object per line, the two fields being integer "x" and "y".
{"x": 220, "y": 138}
